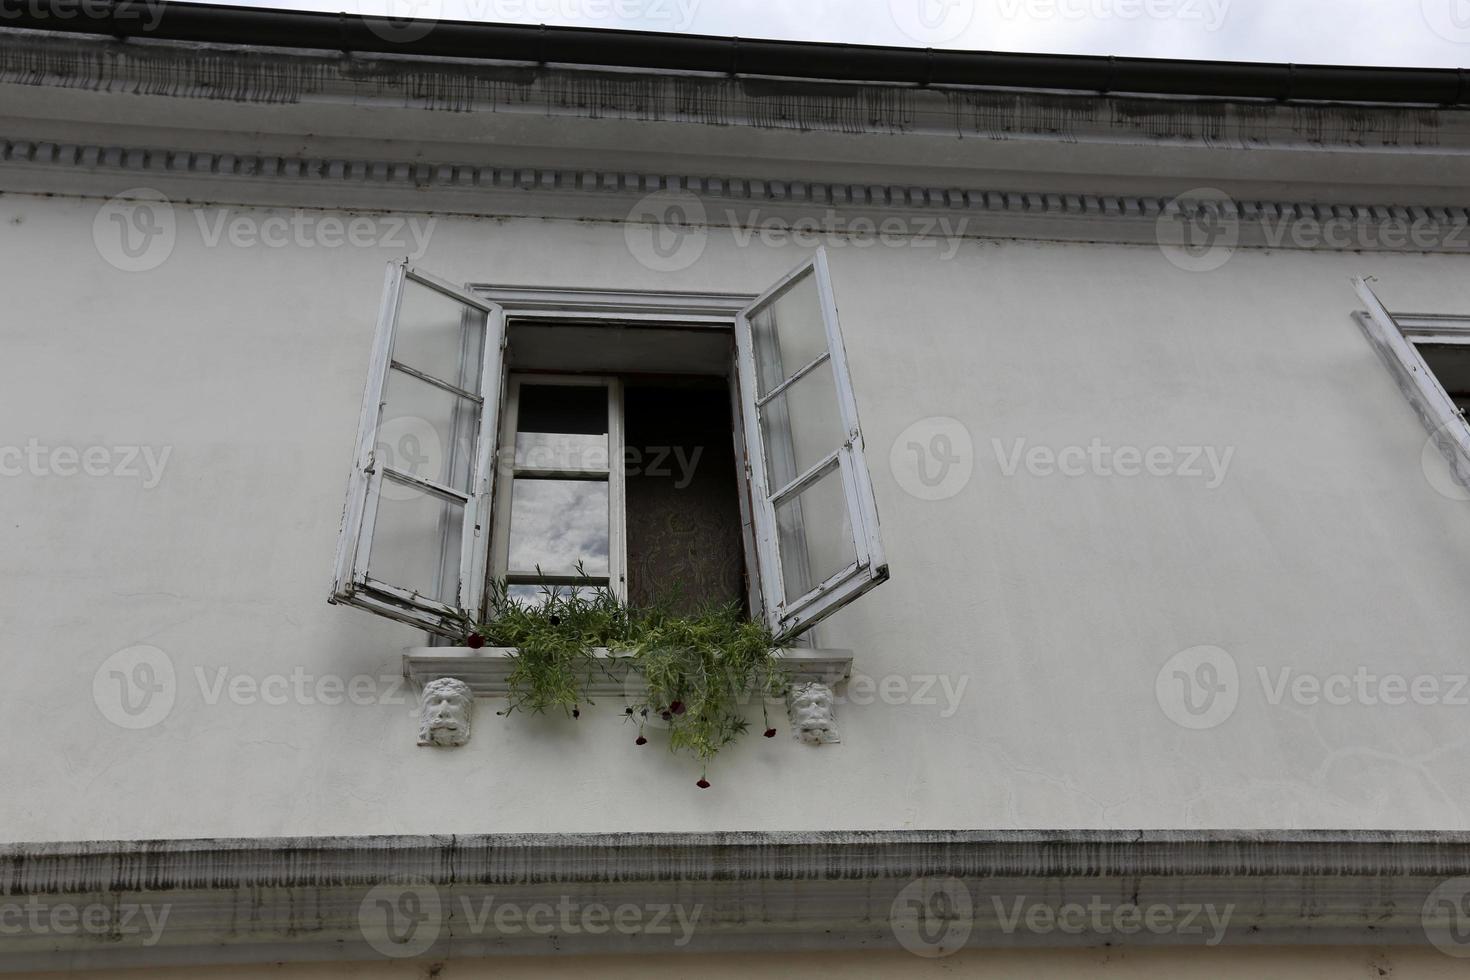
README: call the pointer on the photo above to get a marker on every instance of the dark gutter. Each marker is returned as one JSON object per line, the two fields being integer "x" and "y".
{"x": 218, "y": 24}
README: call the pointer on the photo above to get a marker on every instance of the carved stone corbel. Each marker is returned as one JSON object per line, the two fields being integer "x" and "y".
{"x": 810, "y": 707}
{"x": 448, "y": 707}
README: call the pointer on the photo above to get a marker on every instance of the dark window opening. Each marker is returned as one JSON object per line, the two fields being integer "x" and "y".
{"x": 1451, "y": 366}
{"x": 685, "y": 542}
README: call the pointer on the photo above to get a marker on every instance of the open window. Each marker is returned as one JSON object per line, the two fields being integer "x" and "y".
{"x": 1430, "y": 359}
{"x": 816, "y": 521}
{"x": 668, "y": 447}
{"x": 413, "y": 532}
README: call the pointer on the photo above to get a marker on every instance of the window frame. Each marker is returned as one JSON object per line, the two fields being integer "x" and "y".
{"x": 508, "y": 471}
{"x": 788, "y": 617}
{"x": 1396, "y": 337}
{"x": 352, "y": 583}
{"x": 507, "y": 306}
{"x": 715, "y": 311}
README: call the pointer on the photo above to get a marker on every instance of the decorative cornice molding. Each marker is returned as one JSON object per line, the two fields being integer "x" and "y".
{"x": 258, "y": 900}
{"x": 489, "y": 190}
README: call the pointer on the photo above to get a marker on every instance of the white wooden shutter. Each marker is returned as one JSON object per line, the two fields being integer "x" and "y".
{"x": 815, "y": 517}
{"x": 413, "y": 540}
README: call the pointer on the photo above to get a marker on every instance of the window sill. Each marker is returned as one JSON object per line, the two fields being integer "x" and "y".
{"x": 485, "y": 670}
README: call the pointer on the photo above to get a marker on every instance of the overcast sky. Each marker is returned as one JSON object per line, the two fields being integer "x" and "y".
{"x": 1365, "y": 32}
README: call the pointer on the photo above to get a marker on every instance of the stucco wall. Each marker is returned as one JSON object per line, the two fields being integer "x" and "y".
{"x": 1023, "y": 630}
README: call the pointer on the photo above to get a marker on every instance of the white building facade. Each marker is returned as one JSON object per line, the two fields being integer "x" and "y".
{"x": 1094, "y": 433}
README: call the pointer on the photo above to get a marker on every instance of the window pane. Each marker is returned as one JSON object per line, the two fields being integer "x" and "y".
{"x": 556, "y": 523}
{"x": 562, "y": 427}
{"x": 416, "y": 543}
{"x": 788, "y": 332}
{"x": 815, "y": 533}
{"x": 801, "y": 426}
{"x": 427, "y": 432}
{"x": 440, "y": 336}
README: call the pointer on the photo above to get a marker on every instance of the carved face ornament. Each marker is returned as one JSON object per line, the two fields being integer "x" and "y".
{"x": 811, "y": 713}
{"x": 446, "y": 713}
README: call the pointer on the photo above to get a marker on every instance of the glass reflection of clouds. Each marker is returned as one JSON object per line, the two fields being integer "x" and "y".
{"x": 554, "y": 524}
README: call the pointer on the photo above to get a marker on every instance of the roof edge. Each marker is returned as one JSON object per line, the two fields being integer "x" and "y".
{"x": 257, "y": 26}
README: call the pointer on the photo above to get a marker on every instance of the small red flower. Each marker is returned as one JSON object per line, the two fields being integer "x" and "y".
{"x": 474, "y": 641}
{"x": 665, "y": 715}
{"x": 769, "y": 733}
{"x": 677, "y": 707}
{"x": 640, "y": 740}
{"x": 703, "y": 783}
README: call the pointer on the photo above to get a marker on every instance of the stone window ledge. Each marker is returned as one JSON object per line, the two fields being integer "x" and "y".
{"x": 485, "y": 670}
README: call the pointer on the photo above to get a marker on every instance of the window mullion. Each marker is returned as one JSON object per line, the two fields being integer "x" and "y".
{"x": 475, "y": 555}
{"x": 617, "y": 492}
{"x": 763, "y": 511}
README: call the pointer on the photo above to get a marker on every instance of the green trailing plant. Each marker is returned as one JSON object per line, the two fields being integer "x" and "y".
{"x": 700, "y": 670}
